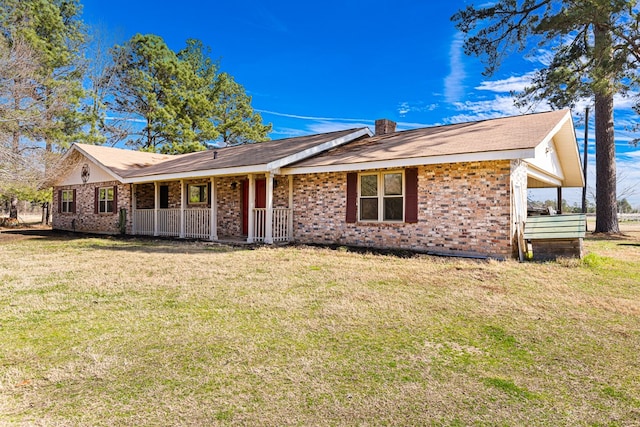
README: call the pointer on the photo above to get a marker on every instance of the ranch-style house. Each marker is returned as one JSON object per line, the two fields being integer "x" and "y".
{"x": 458, "y": 189}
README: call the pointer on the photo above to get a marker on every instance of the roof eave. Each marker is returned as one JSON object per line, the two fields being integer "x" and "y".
{"x": 413, "y": 161}
{"x": 240, "y": 170}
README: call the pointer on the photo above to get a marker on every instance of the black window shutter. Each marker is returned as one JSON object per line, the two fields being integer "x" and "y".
{"x": 59, "y": 201}
{"x": 411, "y": 195}
{"x": 96, "y": 201}
{"x": 73, "y": 203}
{"x": 352, "y": 197}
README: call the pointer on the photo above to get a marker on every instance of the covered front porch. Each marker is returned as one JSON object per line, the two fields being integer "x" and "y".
{"x": 256, "y": 208}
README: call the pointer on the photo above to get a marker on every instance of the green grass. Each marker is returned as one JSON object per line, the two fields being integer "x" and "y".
{"x": 101, "y": 331}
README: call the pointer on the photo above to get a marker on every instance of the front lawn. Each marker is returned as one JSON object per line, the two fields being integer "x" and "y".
{"x": 103, "y": 331}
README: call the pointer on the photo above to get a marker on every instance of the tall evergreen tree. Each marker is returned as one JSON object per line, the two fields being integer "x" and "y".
{"x": 151, "y": 84}
{"x": 235, "y": 119}
{"x": 44, "y": 95}
{"x": 232, "y": 116}
{"x": 595, "y": 54}
{"x": 54, "y": 31}
{"x": 181, "y": 98}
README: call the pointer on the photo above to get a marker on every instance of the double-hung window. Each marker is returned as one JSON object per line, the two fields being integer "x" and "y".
{"x": 105, "y": 200}
{"x": 381, "y": 196}
{"x": 67, "y": 201}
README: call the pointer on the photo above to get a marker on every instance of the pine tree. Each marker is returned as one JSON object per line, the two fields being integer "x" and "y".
{"x": 40, "y": 42}
{"x": 235, "y": 119}
{"x": 595, "y": 55}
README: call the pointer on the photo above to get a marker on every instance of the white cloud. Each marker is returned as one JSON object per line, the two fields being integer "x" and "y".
{"x": 126, "y": 119}
{"x": 542, "y": 56}
{"x": 625, "y": 102}
{"x": 297, "y": 116}
{"x": 286, "y": 132}
{"x": 511, "y": 84}
{"x": 327, "y": 126}
{"x": 419, "y": 107}
{"x": 453, "y": 83}
{"x": 500, "y": 106}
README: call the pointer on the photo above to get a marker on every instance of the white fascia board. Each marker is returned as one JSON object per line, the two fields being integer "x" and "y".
{"x": 240, "y": 170}
{"x": 563, "y": 138}
{"x": 556, "y": 128}
{"x": 542, "y": 176}
{"x": 277, "y": 164}
{"x": 97, "y": 162}
{"x": 415, "y": 161}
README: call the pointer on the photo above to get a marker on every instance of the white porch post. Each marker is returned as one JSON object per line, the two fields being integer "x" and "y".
{"x": 251, "y": 207}
{"x": 213, "y": 235}
{"x": 268, "y": 227}
{"x": 133, "y": 209}
{"x": 156, "y": 206}
{"x": 290, "y": 225}
{"x": 182, "y": 198}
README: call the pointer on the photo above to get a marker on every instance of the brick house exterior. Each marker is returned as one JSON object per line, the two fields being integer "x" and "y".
{"x": 478, "y": 223}
{"x": 453, "y": 190}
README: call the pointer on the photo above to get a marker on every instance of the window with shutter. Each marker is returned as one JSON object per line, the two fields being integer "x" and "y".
{"x": 66, "y": 200}
{"x": 381, "y": 196}
{"x": 106, "y": 199}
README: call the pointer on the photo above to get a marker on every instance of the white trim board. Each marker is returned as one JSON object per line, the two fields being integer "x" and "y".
{"x": 414, "y": 161}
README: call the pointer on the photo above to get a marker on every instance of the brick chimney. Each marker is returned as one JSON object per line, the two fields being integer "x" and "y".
{"x": 385, "y": 126}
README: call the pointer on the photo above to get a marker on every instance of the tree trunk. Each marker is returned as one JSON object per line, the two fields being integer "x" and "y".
{"x": 13, "y": 208}
{"x": 45, "y": 213}
{"x": 606, "y": 203}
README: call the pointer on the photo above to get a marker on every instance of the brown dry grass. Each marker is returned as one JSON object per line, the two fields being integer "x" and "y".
{"x": 103, "y": 331}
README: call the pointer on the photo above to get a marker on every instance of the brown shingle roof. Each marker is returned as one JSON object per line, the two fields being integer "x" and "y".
{"x": 122, "y": 162}
{"x": 510, "y": 133}
{"x": 238, "y": 156}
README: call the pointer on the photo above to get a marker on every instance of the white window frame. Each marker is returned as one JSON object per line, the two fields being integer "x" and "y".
{"x": 103, "y": 203}
{"x": 66, "y": 205}
{"x": 206, "y": 194}
{"x": 381, "y": 196}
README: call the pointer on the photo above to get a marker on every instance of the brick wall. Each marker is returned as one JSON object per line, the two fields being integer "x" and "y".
{"x": 463, "y": 209}
{"x": 85, "y": 219}
{"x": 145, "y": 196}
{"x": 229, "y": 206}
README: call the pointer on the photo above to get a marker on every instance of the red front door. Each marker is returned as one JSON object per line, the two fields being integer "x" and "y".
{"x": 260, "y": 201}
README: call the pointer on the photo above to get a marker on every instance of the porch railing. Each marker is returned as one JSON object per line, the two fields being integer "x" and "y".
{"x": 281, "y": 232}
{"x": 169, "y": 222}
{"x": 143, "y": 220}
{"x": 197, "y": 223}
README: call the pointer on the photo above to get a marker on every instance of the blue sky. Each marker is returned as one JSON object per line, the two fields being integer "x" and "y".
{"x": 320, "y": 66}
